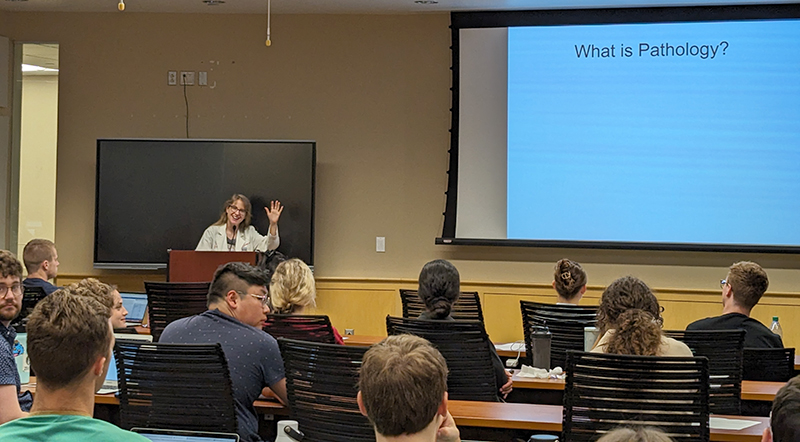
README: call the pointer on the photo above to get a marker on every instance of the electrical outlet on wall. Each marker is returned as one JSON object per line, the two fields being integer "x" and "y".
{"x": 187, "y": 78}
{"x": 172, "y": 78}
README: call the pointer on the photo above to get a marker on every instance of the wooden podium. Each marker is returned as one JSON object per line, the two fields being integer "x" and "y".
{"x": 193, "y": 266}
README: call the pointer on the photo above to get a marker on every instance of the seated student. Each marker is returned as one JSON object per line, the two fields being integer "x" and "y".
{"x": 784, "y": 421}
{"x": 41, "y": 262}
{"x": 237, "y": 309}
{"x": 12, "y": 404}
{"x": 629, "y": 321}
{"x": 106, "y": 295}
{"x": 403, "y": 391}
{"x": 635, "y": 434}
{"x": 292, "y": 289}
{"x": 569, "y": 281}
{"x": 741, "y": 290}
{"x": 69, "y": 343}
{"x": 439, "y": 288}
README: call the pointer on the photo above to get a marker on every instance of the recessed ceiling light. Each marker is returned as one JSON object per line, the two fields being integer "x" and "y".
{"x": 213, "y": 2}
{"x": 426, "y": 2}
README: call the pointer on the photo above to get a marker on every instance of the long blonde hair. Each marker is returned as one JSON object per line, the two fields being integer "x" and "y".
{"x": 292, "y": 287}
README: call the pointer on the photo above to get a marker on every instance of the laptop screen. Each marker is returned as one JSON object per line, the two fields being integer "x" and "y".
{"x": 185, "y": 436}
{"x": 135, "y": 304}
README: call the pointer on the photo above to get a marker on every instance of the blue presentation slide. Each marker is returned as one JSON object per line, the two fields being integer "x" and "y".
{"x": 667, "y": 132}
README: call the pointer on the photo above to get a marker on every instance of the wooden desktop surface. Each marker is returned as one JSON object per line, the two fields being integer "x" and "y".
{"x": 751, "y": 390}
{"x": 533, "y": 417}
{"x": 365, "y": 341}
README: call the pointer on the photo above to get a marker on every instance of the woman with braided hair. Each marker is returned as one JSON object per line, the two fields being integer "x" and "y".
{"x": 629, "y": 321}
{"x": 439, "y": 287}
{"x": 569, "y": 281}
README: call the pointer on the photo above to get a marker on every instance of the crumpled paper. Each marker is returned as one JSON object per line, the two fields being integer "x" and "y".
{"x": 540, "y": 373}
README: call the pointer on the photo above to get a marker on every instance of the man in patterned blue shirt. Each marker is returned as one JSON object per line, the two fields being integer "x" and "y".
{"x": 238, "y": 304}
{"x": 12, "y": 404}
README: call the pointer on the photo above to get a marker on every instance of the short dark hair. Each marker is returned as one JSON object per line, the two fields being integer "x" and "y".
{"x": 785, "y": 420}
{"x": 439, "y": 287}
{"x": 9, "y": 265}
{"x": 237, "y": 276}
{"x": 402, "y": 382}
{"x": 67, "y": 332}
{"x": 36, "y": 252}
{"x": 749, "y": 282}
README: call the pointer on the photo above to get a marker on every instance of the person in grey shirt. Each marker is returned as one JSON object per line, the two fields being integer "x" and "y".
{"x": 237, "y": 307}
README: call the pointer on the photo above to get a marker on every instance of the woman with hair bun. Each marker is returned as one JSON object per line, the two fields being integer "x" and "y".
{"x": 569, "y": 281}
{"x": 439, "y": 287}
{"x": 292, "y": 289}
{"x": 629, "y": 321}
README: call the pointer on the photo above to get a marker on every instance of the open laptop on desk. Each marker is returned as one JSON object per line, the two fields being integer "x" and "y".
{"x": 110, "y": 385}
{"x": 158, "y": 435}
{"x": 136, "y": 305}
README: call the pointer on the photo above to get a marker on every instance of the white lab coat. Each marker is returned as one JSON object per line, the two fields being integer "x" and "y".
{"x": 247, "y": 240}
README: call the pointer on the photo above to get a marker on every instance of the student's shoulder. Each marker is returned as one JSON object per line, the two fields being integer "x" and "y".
{"x": 116, "y": 433}
{"x": 705, "y": 324}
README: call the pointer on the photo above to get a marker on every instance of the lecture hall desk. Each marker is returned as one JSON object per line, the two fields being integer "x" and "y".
{"x": 494, "y": 415}
{"x": 751, "y": 390}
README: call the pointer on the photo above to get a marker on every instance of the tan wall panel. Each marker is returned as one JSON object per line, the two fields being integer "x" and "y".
{"x": 372, "y": 90}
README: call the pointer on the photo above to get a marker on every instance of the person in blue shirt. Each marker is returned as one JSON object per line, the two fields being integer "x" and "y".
{"x": 12, "y": 404}
{"x": 238, "y": 305}
{"x": 41, "y": 262}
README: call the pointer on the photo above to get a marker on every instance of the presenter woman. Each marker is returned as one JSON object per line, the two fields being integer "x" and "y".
{"x": 233, "y": 232}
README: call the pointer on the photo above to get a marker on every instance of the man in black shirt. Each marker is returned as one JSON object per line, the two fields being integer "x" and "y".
{"x": 741, "y": 291}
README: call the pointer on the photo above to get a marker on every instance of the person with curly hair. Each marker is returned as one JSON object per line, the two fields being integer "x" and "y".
{"x": 629, "y": 321}
{"x": 569, "y": 281}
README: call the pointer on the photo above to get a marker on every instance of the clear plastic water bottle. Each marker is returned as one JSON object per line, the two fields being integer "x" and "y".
{"x": 776, "y": 327}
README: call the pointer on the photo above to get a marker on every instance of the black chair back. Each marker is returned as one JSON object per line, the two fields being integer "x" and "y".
{"x": 768, "y": 364}
{"x": 175, "y": 386}
{"x": 566, "y": 323}
{"x": 322, "y": 383}
{"x": 168, "y": 301}
{"x": 723, "y": 348}
{"x": 30, "y": 297}
{"x": 466, "y": 308}
{"x": 604, "y": 391}
{"x": 465, "y": 347}
{"x": 315, "y": 328}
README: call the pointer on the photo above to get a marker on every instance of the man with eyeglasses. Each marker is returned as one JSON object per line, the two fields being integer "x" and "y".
{"x": 238, "y": 304}
{"x": 741, "y": 290}
{"x": 12, "y": 404}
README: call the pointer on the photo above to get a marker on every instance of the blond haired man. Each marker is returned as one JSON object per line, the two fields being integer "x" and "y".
{"x": 69, "y": 343}
{"x": 741, "y": 290}
{"x": 403, "y": 391}
{"x": 41, "y": 262}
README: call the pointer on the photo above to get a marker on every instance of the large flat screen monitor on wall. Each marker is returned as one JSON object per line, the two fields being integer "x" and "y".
{"x": 637, "y": 128}
{"x": 154, "y": 195}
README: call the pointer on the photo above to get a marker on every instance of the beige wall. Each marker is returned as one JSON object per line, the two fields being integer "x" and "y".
{"x": 37, "y": 180}
{"x": 373, "y": 91}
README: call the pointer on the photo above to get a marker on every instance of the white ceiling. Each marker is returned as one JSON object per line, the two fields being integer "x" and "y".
{"x": 339, "y": 6}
